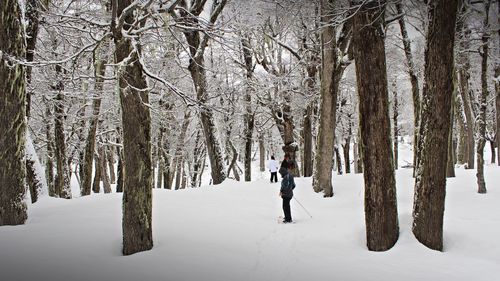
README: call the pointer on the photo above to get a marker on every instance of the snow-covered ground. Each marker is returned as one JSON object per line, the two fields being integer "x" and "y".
{"x": 230, "y": 232}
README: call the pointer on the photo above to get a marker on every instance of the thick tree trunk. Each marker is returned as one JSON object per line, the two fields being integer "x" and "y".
{"x": 322, "y": 178}
{"x": 136, "y": 120}
{"x": 12, "y": 117}
{"x": 430, "y": 184}
{"x": 414, "y": 82}
{"x": 197, "y": 159}
{"x": 481, "y": 184}
{"x": 381, "y": 216}
{"x": 307, "y": 161}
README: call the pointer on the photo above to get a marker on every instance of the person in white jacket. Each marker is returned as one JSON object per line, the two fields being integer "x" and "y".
{"x": 273, "y": 167}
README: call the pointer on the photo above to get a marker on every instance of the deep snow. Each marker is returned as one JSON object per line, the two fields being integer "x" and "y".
{"x": 230, "y": 232}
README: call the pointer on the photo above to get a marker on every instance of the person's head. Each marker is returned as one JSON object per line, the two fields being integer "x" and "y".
{"x": 286, "y": 157}
{"x": 290, "y": 167}
{"x": 272, "y": 157}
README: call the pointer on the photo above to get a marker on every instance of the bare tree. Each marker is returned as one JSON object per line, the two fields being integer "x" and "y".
{"x": 136, "y": 120}
{"x": 332, "y": 69}
{"x": 430, "y": 182}
{"x": 381, "y": 216}
{"x": 481, "y": 185}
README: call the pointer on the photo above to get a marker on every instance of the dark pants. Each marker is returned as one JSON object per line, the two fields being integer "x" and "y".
{"x": 286, "y": 209}
{"x": 274, "y": 175}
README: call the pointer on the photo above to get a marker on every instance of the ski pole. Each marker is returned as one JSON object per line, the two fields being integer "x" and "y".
{"x": 303, "y": 207}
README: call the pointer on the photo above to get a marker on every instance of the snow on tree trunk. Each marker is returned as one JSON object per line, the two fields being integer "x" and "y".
{"x": 35, "y": 173}
{"x": 103, "y": 168}
{"x": 381, "y": 217}
{"x": 12, "y": 116}
{"x": 430, "y": 183}
{"x": 481, "y": 184}
{"x": 395, "y": 114}
{"x": 497, "y": 89}
{"x": 136, "y": 121}
{"x": 49, "y": 161}
{"x": 249, "y": 119}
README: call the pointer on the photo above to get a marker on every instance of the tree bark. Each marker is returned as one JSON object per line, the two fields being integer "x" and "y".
{"x": 248, "y": 116}
{"x": 430, "y": 183}
{"x": 62, "y": 180}
{"x": 12, "y": 116}
{"x": 481, "y": 184}
{"x": 136, "y": 120}
{"x": 262, "y": 153}
{"x": 381, "y": 217}
{"x": 104, "y": 170}
{"x": 395, "y": 125}
{"x": 49, "y": 162}
{"x": 497, "y": 90}
{"x": 322, "y": 178}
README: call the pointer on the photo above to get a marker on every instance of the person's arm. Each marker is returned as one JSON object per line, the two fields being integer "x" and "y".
{"x": 292, "y": 181}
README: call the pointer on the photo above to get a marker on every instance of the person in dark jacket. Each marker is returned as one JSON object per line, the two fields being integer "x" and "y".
{"x": 286, "y": 193}
{"x": 284, "y": 166}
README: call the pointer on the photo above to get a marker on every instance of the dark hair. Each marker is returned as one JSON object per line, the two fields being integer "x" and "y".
{"x": 272, "y": 157}
{"x": 291, "y": 166}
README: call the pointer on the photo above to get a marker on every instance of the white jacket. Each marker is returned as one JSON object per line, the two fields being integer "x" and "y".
{"x": 273, "y": 165}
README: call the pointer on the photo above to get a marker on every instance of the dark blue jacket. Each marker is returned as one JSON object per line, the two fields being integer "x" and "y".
{"x": 287, "y": 186}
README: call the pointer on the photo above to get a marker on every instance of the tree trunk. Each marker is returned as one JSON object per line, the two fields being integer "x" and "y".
{"x": 430, "y": 183}
{"x": 13, "y": 117}
{"x": 96, "y": 184}
{"x": 483, "y": 101}
{"x": 463, "y": 65}
{"x": 381, "y": 216}
{"x": 110, "y": 158}
{"x": 262, "y": 153}
{"x": 322, "y": 178}
{"x": 414, "y": 83}
{"x": 347, "y": 161}
{"x": 197, "y": 159}
{"x": 450, "y": 162}
{"x": 396, "y": 127}
{"x": 49, "y": 162}
{"x": 62, "y": 180}
{"x": 136, "y": 120}
{"x": 86, "y": 172}
{"x": 248, "y": 116}
{"x": 36, "y": 181}
{"x": 104, "y": 170}
{"x": 338, "y": 160}
{"x": 497, "y": 89}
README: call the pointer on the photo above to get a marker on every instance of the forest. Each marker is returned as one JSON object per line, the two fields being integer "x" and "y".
{"x": 133, "y": 96}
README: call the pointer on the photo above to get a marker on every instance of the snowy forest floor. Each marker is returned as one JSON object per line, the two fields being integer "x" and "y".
{"x": 230, "y": 232}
